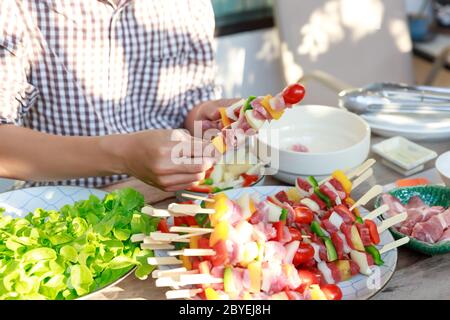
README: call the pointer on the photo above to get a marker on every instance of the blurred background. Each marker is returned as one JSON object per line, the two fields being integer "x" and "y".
{"x": 274, "y": 42}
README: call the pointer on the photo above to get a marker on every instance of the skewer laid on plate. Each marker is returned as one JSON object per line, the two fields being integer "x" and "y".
{"x": 156, "y": 261}
{"x": 392, "y": 221}
{"x": 183, "y": 293}
{"x": 356, "y": 172}
{"x": 192, "y": 252}
{"x": 393, "y": 245}
{"x": 188, "y": 209}
{"x": 362, "y": 178}
{"x": 377, "y": 212}
{"x": 196, "y": 197}
{"x": 372, "y": 193}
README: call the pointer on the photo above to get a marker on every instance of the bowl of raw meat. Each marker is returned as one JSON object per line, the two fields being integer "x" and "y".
{"x": 428, "y": 222}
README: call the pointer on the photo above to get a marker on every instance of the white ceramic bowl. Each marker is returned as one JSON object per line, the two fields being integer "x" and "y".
{"x": 443, "y": 167}
{"x": 336, "y": 139}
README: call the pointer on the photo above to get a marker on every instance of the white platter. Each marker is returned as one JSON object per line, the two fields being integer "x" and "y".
{"x": 357, "y": 287}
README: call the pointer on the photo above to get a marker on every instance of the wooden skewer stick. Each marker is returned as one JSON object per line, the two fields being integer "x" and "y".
{"x": 138, "y": 237}
{"x": 361, "y": 169}
{"x": 150, "y": 246}
{"x": 167, "y": 282}
{"x": 176, "y": 275}
{"x": 182, "y": 294}
{"x": 195, "y": 197}
{"x": 358, "y": 181}
{"x": 155, "y": 261}
{"x": 394, "y": 245}
{"x": 356, "y": 172}
{"x": 372, "y": 193}
{"x": 190, "y": 229}
{"x": 160, "y": 213}
{"x": 149, "y": 240}
{"x": 189, "y": 235}
{"x": 191, "y": 279}
{"x": 192, "y": 252}
{"x": 162, "y": 273}
{"x": 160, "y": 236}
{"x": 189, "y": 209}
{"x": 386, "y": 224}
{"x": 377, "y": 212}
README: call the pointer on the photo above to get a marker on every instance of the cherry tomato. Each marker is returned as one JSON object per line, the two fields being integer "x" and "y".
{"x": 294, "y": 93}
{"x": 304, "y": 253}
{"x": 303, "y": 215}
{"x": 295, "y": 234}
{"x": 307, "y": 278}
{"x": 249, "y": 179}
{"x": 201, "y": 189}
{"x": 332, "y": 292}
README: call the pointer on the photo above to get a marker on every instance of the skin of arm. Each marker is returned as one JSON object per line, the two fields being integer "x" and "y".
{"x": 30, "y": 155}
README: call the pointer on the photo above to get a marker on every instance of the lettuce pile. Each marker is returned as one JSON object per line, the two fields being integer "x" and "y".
{"x": 70, "y": 253}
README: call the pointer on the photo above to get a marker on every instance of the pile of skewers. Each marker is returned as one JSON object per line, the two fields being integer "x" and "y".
{"x": 297, "y": 244}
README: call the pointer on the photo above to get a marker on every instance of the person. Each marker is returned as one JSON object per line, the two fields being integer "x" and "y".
{"x": 95, "y": 91}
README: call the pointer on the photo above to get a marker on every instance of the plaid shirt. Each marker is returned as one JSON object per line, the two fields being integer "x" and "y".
{"x": 93, "y": 68}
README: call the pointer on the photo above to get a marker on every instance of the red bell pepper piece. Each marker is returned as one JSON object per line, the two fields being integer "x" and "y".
{"x": 201, "y": 189}
{"x": 249, "y": 179}
{"x": 221, "y": 256}
{"x": 279, "y": 227}
{"x": 373, "y": 231}
{"x": 162, "y": 226}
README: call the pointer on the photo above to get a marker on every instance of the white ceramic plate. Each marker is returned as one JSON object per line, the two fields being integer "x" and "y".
{"x": 329, "y": 134}
{"x": 423, "y": 128}
{"x": 19, "y": 203}
{"x": 357, "y": 287}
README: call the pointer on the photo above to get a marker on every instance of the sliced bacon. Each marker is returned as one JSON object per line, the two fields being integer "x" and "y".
{"x": 282, "y": 196}
{"x": 338, "y": 245}
{"x": 330, "y": 194}
{"x": 316, "y": 199}
{"x": 304, "y": 185}
{"x": 329, "y": 227}
{"x": 346, "y": 230}
{"x": 334, "y": 272}
{"x": 345, "y": 214}
{"x": 259, "y": 111}
{"x": 277, "y": 103}
{"x": 337, "y": 185}
{"x": 354, "y": 268}
{"x": 299, "y": 148}
{"x": 364, "y": 233}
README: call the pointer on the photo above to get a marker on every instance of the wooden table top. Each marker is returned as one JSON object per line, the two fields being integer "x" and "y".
{"x": 417, "y": 276}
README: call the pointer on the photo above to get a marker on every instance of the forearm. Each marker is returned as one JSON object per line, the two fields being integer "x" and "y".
{"x": 29, "y": 155}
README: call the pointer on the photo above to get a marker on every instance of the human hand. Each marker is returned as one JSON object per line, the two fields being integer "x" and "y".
{"x": 168, "y": 159}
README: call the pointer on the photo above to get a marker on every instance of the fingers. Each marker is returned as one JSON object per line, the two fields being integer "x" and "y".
{"x": 178, "y": 187}
{"x": 180, "y": 179}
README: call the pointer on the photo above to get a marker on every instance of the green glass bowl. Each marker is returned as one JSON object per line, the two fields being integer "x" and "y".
{"x": 432, "y": 196}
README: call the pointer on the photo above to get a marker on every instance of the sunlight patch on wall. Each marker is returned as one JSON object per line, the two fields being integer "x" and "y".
{"x": 270, "y": 48}
{"x": 399, "y": 30}
{"x": 331, "y": 23}
{"x": 292, "y": 71}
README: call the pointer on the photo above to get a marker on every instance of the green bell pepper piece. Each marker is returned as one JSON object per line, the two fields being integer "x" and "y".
{"x": 284, "y": 214}
{"x": 247, "y": 105}
{"x": 201, "y": 219}
{"x": 208, "y": 182}
{"x": 317, "y": 229}
{"x": 323, "y": 197}
{"x": 359, "y": 220}
{"x": 331, "y": 250}
{"x": 313, "y": 182}
{"x": 373, "y": 251}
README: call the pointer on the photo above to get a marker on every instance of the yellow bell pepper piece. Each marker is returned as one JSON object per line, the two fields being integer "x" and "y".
{"x": 220, "y": 233}
{"x": 255, "y": 272}
{"x": 219, "y": 144}
{"x": 186, "y": 262}
{"x": 221, "y": 208}
{"x": 351, "y": 202}
{"x": 193, "y": 242}
{"x": 293, "y": 195}
{"x": 342, "y": 178}
{"x": 266, "y": 104}
{"x": 317, "y": 293}
{"x": 252, "y": 206}
{"x": 223, "y": 115}
{"x": 211, "y": 294}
